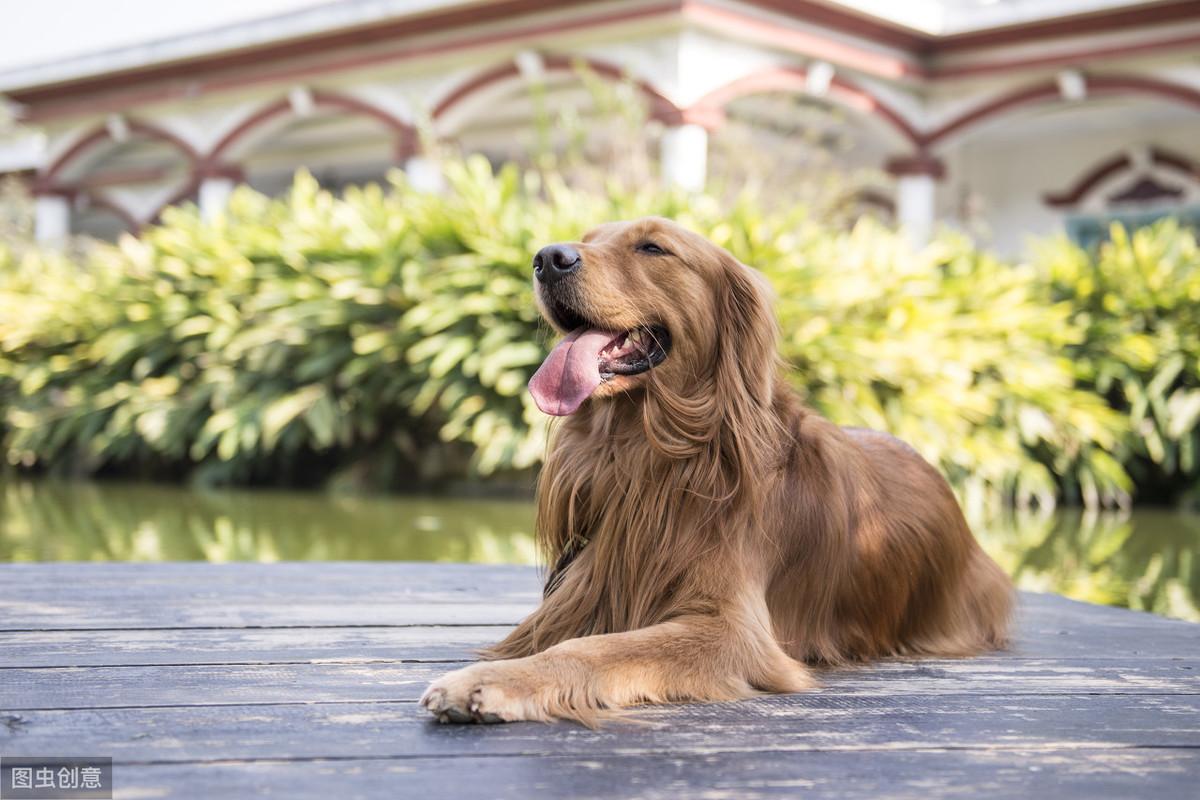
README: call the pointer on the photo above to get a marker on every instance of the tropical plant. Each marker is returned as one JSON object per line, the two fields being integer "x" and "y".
{"x": 1137, "y": 300}
{"x": 385, "y": 336}
{"x": 955, "y": 352}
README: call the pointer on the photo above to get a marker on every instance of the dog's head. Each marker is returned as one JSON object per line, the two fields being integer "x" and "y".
{"x": 649, "y": 295}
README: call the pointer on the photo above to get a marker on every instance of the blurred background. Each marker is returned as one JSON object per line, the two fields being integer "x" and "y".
{"x": 264, "y": 265}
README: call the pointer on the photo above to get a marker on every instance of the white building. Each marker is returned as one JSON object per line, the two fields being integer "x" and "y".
{"x": 1024, "y": 115}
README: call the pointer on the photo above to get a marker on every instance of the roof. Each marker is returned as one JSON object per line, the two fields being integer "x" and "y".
{"x": 950, "y": 17}
{"x": 98, "y": 42}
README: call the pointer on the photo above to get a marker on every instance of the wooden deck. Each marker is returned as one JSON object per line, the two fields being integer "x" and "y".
{"x": 301, "y": 680}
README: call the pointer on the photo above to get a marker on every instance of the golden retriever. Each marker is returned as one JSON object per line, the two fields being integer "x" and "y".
{"x": 709, "y": 535}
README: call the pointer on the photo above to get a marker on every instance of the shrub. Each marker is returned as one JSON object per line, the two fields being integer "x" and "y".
{"x": 1137, "y": 300}
{"x": 387, "y": 336}
{"x": 954, "y": 352}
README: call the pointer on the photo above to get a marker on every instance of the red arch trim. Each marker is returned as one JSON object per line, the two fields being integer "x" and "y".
{"x": 185, "y": 193}
{"x": 1111, "y": 166}
{"x": 327, "y": 99}
{"x": 794, "y": 79}
{"x": 660, "y": 106}
{"x": 100, "y": 134}
{"x": 1096, "y": 85}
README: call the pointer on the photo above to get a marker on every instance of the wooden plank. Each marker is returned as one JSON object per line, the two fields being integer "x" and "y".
{"x": 138, "y": 596}
{"x": 1047, "y": 624}
{"x": 106, "y": 687}
{"x": 239, "y": 581}
{"x": 236, "y": 583}
{"x": 1094, "y": 774}
{"x": 119, "y": 687}
{"x": 301, "y": 679}
{"x": 1007, "y": 676}
{"x": 140, "y": 588}
{"x": 297, "y": 613}
{"x": 82, "y": 648}
{"x": 123, "y": 596}
{"x": 240, "y": 645}
{"x": 791, "y": 723}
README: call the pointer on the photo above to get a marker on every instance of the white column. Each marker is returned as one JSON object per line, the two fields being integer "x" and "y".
{"x": 424, "y": 174}
{"x": 915, "y": 206}
{"x": 685, "y": 156}
{"x": 52, "y": 218}
{"x": 214, "y": 196}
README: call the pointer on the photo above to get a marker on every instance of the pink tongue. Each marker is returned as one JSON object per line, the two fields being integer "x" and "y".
{"x": 571, "y": 372}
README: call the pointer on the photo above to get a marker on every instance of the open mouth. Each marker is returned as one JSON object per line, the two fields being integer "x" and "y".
{"x": 591, "y": 355}
{"x": 634, "y": 352}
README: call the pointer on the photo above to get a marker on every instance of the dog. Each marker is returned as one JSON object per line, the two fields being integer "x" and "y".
{"x": 710, "y": 537}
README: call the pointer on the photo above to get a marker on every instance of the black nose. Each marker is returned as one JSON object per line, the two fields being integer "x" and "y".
{"x": 555, "y": 262}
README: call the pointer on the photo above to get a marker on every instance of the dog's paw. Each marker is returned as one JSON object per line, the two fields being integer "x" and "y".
{"x": 482, "y": 693}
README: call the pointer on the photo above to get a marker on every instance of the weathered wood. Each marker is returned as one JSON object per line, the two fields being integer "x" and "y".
{"x": 254, "y": 579}
{"x": 815, "y": 721}
{"x": 83, "y": 648}
{"x": 135, "y": 596}
{"x": 299, "y": 613}
{"x": 115, "y": 687}
{"x": 1095, "y": 774}
{"x": 206, "y": 680}
{"x": 118, "y": 596}
{"x": 242, "y": 645}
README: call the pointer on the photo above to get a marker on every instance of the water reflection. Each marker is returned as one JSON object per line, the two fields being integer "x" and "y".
{"x": 53, "y": 521}
{"x": 1142, "y": 560}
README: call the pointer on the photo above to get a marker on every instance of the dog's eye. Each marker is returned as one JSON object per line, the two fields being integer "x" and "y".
{"x": 651, "y": 249}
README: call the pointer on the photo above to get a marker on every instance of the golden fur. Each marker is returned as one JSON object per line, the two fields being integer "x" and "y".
{"x": 716, "y": 535}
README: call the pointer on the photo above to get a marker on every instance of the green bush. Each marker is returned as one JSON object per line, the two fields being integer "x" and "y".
{"x": 386, "y": 336}
{"x": 954, "y": 352}
{"x": 1137, "y": 300}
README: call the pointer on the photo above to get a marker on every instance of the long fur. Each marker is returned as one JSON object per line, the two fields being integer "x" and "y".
{"x": 711, "y": 534}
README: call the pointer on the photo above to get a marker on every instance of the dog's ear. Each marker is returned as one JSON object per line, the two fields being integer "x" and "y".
{"x": 747, "y": 335}
{"x": 727, "y": 412}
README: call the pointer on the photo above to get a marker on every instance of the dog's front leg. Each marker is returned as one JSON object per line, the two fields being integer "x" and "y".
{"x": 696, "y": 657}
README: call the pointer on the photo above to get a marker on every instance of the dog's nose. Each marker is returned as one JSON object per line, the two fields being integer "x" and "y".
{"x": 555, "y": 262}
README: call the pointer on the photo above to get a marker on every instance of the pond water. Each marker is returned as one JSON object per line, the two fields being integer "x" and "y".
{"x": 1145, "y": 559}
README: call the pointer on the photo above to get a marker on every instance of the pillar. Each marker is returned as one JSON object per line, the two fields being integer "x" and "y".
{"x": 214, "y": 196}
{"x": 916, "y": 194}
{"x": 685, "y": 156}
{"x": 214, "y": 186}
{"x": 52, "y": 218}
{"x": 915, "y": 197}
{"x": 424, "y": 174}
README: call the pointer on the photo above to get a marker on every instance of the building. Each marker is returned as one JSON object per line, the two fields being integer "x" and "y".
{"x": 1024, "y": 115}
